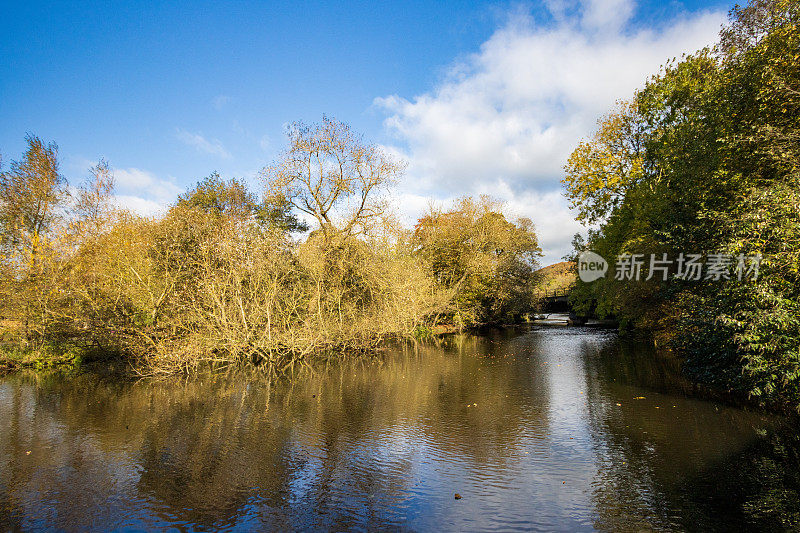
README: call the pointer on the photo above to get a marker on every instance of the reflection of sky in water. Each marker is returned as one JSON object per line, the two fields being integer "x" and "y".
{"x": 536, "y": 431}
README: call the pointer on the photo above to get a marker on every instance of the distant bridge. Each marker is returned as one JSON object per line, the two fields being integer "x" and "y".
{"x": 555, "y": 301}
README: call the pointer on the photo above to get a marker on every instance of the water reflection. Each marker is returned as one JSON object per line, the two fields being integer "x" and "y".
{"x": 536, "y": 430}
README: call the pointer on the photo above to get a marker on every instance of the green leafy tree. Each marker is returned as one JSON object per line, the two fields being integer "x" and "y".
{"x": 718, "y": 146}
{"x": 233, "y": 198}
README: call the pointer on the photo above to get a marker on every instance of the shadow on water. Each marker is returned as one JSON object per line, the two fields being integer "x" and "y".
{"x": 535, "y": 429}
{"x": 672, "y": 462}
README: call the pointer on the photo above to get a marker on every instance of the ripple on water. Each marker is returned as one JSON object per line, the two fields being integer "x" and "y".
{"x": 536, "y": 430}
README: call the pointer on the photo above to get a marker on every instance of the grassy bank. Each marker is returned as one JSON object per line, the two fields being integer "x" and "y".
{"x": 13, "y": 358}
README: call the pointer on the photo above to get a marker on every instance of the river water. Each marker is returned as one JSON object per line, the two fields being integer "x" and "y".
{"x": 547, "y": 429}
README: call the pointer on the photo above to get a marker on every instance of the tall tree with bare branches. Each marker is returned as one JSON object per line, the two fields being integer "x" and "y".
{"x": 331, "y": 174}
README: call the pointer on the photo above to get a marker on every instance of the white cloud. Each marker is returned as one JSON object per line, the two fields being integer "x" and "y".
{"x": 196, "y": 140}
{"x": 144, "y": 193}
{"x": 139, "y": 205}
{"x": 555, "y": 223}
{"x": 512, "y": 112}
{"x": 606, "y": 15}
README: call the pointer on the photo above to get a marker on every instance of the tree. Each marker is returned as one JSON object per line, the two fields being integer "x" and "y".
{"x": 232, "y": 198}
{"x": 752, "y": 23}
{"x": 331, "y": 174}
{"x": 487, "y": 261}
{"x": 30, "y": 192}
{"x": 718, "y": 146}
{"x": 601, "y": 170}
{"x": 93, "y": 204}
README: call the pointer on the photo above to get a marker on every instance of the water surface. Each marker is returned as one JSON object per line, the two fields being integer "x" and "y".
{"x": 547, "y": 429}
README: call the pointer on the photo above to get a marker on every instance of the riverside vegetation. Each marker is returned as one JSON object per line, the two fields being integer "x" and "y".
{"x": 223, "y": 276}
{"x": 706, "y": 159}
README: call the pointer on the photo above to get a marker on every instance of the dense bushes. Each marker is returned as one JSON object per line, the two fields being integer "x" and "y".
{"x": 223, "y": 278}
{"x": 195, "y": 287}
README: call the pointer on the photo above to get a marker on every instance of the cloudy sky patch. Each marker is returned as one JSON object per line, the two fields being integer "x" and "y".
{"x": 506, "y": 118}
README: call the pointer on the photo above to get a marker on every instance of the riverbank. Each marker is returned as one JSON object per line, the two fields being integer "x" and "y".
{"x": 14, "y": 359}
{"x": 70, "y": 357}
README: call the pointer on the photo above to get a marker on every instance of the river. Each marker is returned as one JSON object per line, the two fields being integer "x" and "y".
{"x": 544, "y": 428}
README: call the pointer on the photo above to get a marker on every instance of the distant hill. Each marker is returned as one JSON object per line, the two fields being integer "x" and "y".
{"x": 556, "y": 277}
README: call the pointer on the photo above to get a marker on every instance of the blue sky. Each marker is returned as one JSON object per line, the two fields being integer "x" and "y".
{"x": 477, "y": 97}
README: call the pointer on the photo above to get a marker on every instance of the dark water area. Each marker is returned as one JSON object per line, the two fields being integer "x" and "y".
{"x": 553, "y": 429}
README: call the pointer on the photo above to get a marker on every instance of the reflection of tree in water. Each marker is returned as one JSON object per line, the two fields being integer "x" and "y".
{"x": 688, "y": 464}
{"x": 11, "y": 440}
{"x": 56, "y": 472}
{"x": 348, "y": 444}
{"x": 371, "y": 426}
{"x": 336, "y": 448}
{"x": 626, "y": 362}
{"x": 758, "y": 488}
